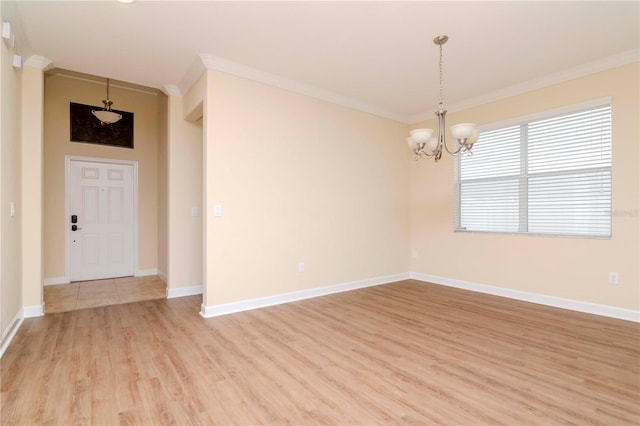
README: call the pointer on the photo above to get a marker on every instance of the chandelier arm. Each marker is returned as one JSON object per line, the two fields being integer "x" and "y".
{"x": 456, "y": 152}
{"x": 423, "y": 154}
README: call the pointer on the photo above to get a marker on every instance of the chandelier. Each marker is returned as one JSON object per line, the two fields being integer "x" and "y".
{"x": 106, "y": 116}
{"x": 465, "y": 134}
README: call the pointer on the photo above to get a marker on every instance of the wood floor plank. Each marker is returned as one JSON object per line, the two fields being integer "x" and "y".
{"x": 403, "y": 353}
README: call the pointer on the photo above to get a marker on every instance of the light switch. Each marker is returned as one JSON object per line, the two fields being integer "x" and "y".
{"x": 12, "y": 209}
{"x": 194, "y": 211}
{"x": 217, "y": 210}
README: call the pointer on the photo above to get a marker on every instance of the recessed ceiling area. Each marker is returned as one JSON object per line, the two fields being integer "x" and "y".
{"x": 378, "y": 54}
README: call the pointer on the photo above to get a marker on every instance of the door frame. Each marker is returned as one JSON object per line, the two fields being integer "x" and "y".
{"x": 67, "y": 206}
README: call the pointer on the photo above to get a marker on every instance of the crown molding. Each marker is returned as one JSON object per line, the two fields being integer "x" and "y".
{"x": 192, "y": 75}
{"x": 89, "y": 78}
{"x": 207, "y": 61}
{"x": 230, "y": 67}
{"x": 589, "y": 68}
{"x": 171, "y": 90}
{"x": 38, "y": 61}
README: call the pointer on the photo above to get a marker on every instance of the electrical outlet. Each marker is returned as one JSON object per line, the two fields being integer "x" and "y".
{"x": 301, "y": 267}
{"x": 414, "y": 253}
{"x": 614, "y": 278}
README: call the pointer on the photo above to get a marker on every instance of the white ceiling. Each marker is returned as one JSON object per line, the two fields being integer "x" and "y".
{"x": 375, "y": 55}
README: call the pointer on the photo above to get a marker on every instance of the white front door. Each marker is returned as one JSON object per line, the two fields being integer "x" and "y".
{"x": 100, "y": 224}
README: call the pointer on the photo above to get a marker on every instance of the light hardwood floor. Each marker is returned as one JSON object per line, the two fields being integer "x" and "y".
{"x": 406, "y": 352}
{"x": 91, "y": 294}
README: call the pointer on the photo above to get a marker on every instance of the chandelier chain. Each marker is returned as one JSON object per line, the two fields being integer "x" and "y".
{"x": 441, "y": 85}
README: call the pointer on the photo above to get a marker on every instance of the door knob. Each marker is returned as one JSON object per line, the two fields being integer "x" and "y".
{"x": 74, "y": 227}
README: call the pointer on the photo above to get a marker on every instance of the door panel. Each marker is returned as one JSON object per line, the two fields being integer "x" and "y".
{"x": 101, "y": 195}
{"x": 90, "y": 204}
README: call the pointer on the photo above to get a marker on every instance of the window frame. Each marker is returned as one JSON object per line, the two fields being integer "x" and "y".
{"x": 523, "y": 176}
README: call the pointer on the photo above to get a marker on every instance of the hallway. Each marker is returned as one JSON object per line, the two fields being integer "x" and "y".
{"x": 91, "y": 294}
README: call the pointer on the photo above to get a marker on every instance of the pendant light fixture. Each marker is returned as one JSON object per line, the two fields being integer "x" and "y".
{"x": 106, "y": 116}
{"x": 465, "y": 134}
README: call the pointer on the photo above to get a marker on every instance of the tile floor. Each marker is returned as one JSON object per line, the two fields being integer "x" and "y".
{"x": 91, "y": 294}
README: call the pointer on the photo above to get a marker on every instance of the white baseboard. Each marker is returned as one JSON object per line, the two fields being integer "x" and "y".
{"x": 183, "y": 291}
{"x": 9, "y": 333}
{"x": 541, "y": 299}
{"x": 262, "y": 302}
{"x": 33, "y": 311}
{"x": 145, "y": 272}
{"x": 56, "y": 280}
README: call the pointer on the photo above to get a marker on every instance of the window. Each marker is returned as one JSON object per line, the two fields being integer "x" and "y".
{"x": 548, "y": 177}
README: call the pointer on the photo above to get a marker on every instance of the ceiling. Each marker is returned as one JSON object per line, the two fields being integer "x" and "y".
{"x": 376, "y": 56}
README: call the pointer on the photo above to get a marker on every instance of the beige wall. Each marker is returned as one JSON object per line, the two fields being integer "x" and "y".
{"x": 570, "y": 268}
{"x": 299, "y": 180}
{"x": 31, "y": 182}
{"x": 59, "y": 91}
{"x": 10, "y": 232}
{"x": 163, "y": 206}
{"x": 185, "y": 193}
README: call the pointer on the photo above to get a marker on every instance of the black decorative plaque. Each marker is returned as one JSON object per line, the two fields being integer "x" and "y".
{"x": 85, "y": 127}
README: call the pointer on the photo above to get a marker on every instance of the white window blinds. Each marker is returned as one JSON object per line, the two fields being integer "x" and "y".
{"x": 549, "y": 177}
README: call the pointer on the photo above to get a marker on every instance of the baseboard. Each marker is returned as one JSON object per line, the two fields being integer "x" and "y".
{"x": 541, "y": 299}
{"x": 33, "y": 311}
{"x": 56, "y": 280}
{"x": 9, "y": 333}
{"x": 145, "y": 272}
{"x": 263, "y": 302}
{"x": 162, "y": 276}
{"x": 183, "y": 291}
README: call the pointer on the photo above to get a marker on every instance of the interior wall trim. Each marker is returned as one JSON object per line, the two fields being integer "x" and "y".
{"x": 278, "y": 299}
{"x": 224, "y": 65}
{"x": 145, "y": 272}
{"x": 56, "y": 280}
{"x": 33, "y": 311}
{"x": 604, "y": 64}
{"x": 183, "y": 291}
{"x": 9, "y": 333}
{"x": 541, "y": 299}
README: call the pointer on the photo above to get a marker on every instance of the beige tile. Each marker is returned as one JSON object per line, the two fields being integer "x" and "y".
{"x": 130, "y": 279}
{"x": 97, "y": 284}
{"x": 91, "y": 294}
{"x": 60, "y": 298}
{"x": 142, "y": 288}
{"x": 97, "y": 293}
